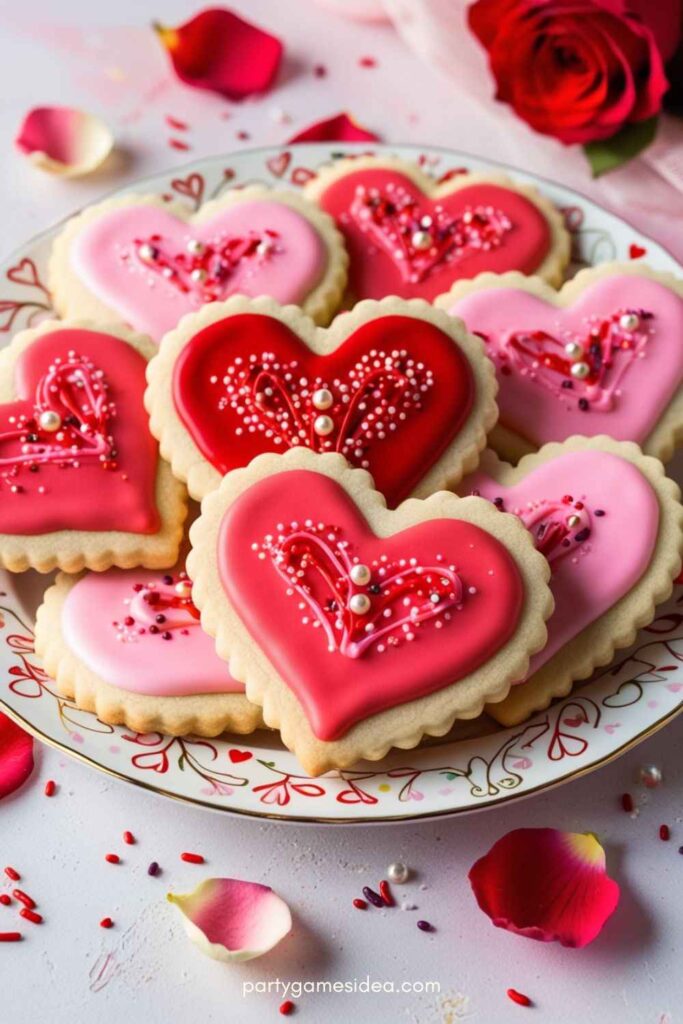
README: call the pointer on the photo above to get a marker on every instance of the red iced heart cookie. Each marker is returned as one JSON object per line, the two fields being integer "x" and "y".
{"x": 76, "y": 453}
{"x": 392, "y": 387}
{"x": 320, "y": 592}
{"x": 411, "y": 237}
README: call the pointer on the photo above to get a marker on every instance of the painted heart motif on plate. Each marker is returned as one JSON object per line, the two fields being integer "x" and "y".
{"x": 596, "y": 518}
{"x": 153, "y": 267}
{"x": 353, "y": 623}
{"x": 75, "y": 447}
{"x": 609, "y": 363}
{"x": 403, "y": 242}
{"x": 390, "y": 398}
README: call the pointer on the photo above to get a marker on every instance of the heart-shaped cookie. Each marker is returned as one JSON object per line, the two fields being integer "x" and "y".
{"x": 410, "y": 236}
{"x": 80, "y": 473}
{"x": 129, "y": 646}
{"x": 148, "y": 263}
{"x": 396, "y": 387}
{"x": 601, "y": 356}
{"x": 354, "y": 626}
{"x": 610, "y": 524}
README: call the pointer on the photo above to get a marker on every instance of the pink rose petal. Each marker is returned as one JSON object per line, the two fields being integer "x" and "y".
{"x": 231, "y": 920}
{"x": 340, "y": 128}
{"x": 64, "y": 140}
{"x": 546, "y": 885}
{"x": 16, "y": 756}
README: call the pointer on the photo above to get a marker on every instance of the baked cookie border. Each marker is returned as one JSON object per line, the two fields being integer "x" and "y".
{"x": 668, "y": 432}
{"x": 558, "y": 256}
{"x": 143, "y": 713}
{"x": 73, "y": 550}
{"x": 616, "y": 628}
{"x": 191, "y": 466}
{"x": 404, "y": 725}
{"x": 72, "y": 297}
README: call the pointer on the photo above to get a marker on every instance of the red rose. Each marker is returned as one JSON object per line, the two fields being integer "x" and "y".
{"x": 577, "y": 69}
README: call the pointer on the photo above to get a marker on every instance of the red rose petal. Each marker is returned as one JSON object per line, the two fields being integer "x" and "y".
{"x": 340, "y": 128}
{"x": 219, "y": 51}
{"x": 16, "y": 756}
{"x": 546, "y": 885}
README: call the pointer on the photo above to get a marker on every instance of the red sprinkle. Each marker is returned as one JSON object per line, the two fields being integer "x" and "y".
{"x": 320, "y": 71}
{"x": 178, "y": 144}
{"x": 243, "y": 136}
{"x": 5, "y": 899}
{"x": 367, "y": 62}
{"x": 664, "y": 833}
{"x": 11, "y": 873}
{"x": 385, "y": 893}
{"x": 112, "y": 858}
{"x": 360, "y": 904}
{"x": 30, "y": 915}
{"x": 10, "y": 936}
{"x": 106, "y": 922}
{"x": 173, "y": 122}
{"x": 128, "y": 838}
{"x": 518, "y": 997}
{"x": 50, "y": 787}
{"x": 627, "y": 802}
{"x": 192, "y": 858}
{"x": 24, "y": 898}
{"x": 287, "y": 1007}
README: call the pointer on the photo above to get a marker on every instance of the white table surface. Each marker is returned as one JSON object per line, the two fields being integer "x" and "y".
{"x": 102, "y": 58}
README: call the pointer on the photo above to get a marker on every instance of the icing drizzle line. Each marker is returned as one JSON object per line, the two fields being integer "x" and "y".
{"x": 159, "y": 612}
{"x": 588, "y": 368}
{"x": 359, "y": 607}
{"x": 69, "y": 423}
{"x": 270, "y": 396}
{"x": 419, "y": 242}
{"x": 559, "y": 526}
{"x": 205, "y": 268}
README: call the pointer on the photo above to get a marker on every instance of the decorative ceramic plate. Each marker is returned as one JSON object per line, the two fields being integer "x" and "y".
{"x": 480, "y": 765}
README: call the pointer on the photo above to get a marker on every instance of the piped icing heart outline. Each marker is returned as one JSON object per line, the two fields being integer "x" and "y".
{"x": 413, "y": 403}
{"x": 611, "y": 524}
{"x": 98, "y": 636}
{"x": 81, "y": 477}
{"x": 322, "y": 700}
{"x": 610, "y": 341}
{"x": 412, "y": 236}
{"x": 140, "y": 260}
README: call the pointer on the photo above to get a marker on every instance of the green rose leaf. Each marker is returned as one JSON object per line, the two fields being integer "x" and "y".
{"x": 610, "y": 153}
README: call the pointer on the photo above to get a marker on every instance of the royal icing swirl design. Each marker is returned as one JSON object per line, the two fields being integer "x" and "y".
{"x": 609, "y": 363}
{"x": 204, "y": 271}
{"x": 381, "y": 391}
{"x": 402, "y": 242}
{"x": 586, "y": 369}
{"x": 75, "y": 447}
{"x": 70, "y": 422}
{"x": 390, "y": 398}
{"x": 152, "y": 268}
{"x": 140, "y": 631}
{"x": 382, "y": 605}
{"x": 421, "y": 242}
{"x": 596, "y": 518}
{"x": 307, "y": 576}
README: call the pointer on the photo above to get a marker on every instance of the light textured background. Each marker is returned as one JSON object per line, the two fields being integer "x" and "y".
{"x": 103, "y": 57}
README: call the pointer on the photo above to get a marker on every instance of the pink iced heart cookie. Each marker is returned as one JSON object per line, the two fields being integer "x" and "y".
{"x": 610, "y": 524}
{"x": 355, "y": 626}
{"x": 410, "y": 236}
{"x": 603, "y": 355}
{"x": 129, "y": 646}
{"x": 148, "y": 263}
{"x": 78, "y": 465}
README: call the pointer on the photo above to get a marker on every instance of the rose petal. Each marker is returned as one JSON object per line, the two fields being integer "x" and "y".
{"x": 546, "y": 885}
{"x": 340, "y": 128}
{"x": 16, "y": 756}
{"x": 231, "y": 920}
{"x": 219, "y": 51}
{"x": 64, "y": 140}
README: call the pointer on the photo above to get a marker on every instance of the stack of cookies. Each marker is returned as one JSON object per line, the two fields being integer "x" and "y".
{"x": 363, "y": 570}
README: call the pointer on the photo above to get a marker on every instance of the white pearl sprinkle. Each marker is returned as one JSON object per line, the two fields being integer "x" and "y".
{"x": 322, "y": 399}
{"x": 50, "y": 420}
{"x": 359, "y": 604}
{"x": 360, "y": 574}
{"x": 629, "y": 321}
{"x": 323, "y": 425}
{"x": 580, "y": 370}
{"x": 573, "y": 350}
